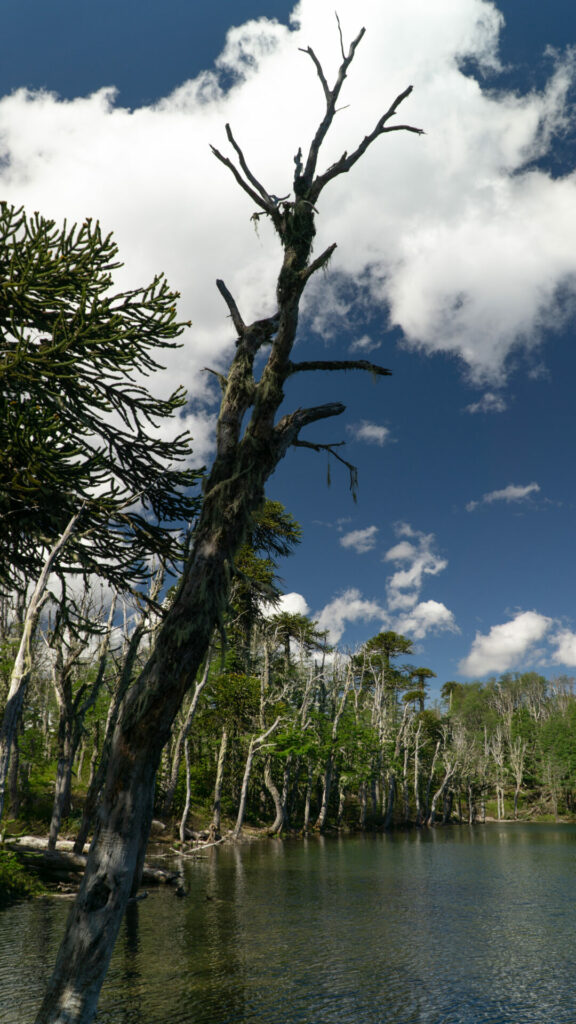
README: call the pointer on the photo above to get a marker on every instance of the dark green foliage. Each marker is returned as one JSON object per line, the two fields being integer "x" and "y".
{"x": 77, "y": 422}
{"x": 15, "y": 882}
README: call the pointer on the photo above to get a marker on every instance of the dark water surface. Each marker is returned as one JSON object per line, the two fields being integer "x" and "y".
{"x": 451, "y": 926}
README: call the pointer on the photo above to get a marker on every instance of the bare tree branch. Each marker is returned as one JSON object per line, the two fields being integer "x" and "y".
{"x": 222, "y": 380}
{"x": 288, "y": 428}
{"x": 234, "y": 312}
{"x": 251, "y": 178}
{"x": 318, "y": 67}
{"x": 317, "y": 447}
{"x": 340, "y": 34}
{"x": 319, "y": 262}
{"x": 250, "y": 191}
{"x": 347, "y": 161}
{"x": 331, "y": 100}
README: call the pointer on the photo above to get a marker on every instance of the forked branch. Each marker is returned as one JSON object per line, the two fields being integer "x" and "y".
{"x": 331, "y": 96}
{"x": 347, "y": 161}
{"x": 352, "y": 469}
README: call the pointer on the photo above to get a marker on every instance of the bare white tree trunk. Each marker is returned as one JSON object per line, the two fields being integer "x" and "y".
{"x": 183, "y": 734}
{"x": 256, "y": 744}
{"x": 188, "y": 800}
{"x": 417, "y": 804}
{"x": 23, "y": 663}
{"x": 216, "y": 807}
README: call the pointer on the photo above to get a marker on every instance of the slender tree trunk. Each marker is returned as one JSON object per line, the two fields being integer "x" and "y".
{"x": 405, "y": 788}
{"x": 255, "y": 745}
{"x": 244, "y": 790}
{"x": 307, "y": 797}
{"x": 23, "y": 664}
{"x": 188, "y": 800}
{"x": 93, "y": 761}
{"x": 429, "y": 784}
{"x": 13, "y": 774}
{"x": 272, "y": 788}
{"x": 341, "y": 803}
{"x": 285, "y": 798}
{"x": 216, "y": 806}
{"x": 439, "y": 793}
{"x": 471, "y": 805}
{"x": 390, "y": 800}
{"x": 61, "y": 806}
{"x": 182, "y": 735}
{"x": 375, "y": 793}
{"x": 363, "y": 800}
{"x": 447, "y": 808}
{"x": 417, "y": 805}
{"x": 326, "y": 790}
{"x": 98, "y": 774}
{"x": 81, "y": 757}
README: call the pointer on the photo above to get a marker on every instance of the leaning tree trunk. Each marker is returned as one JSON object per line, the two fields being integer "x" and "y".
{"x": 245, "y": 458}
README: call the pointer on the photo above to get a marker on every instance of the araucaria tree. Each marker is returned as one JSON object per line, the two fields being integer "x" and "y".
{"x": 86, "y": 484}
{"x": 252, "y": 438}
{"x": 77, "y": 421}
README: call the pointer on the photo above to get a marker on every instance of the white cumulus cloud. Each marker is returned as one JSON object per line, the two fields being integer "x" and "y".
{"x": 417, "y": 558}
{"x": 456, "y": 237}
{"x": 490, "y": 402}
{"x": 403, "y": 610}
{"x": 506, "y": 645}
{"x": 349, "y": 606}
{"x": 565, "y": 644}
{"x": 360, "y": 540}
{"x": 513, "y": 492}
{"x": 293, "y": 604}
{"x": 364, "y": 344}
{"x": 371, "y": 433}
{"x": 425, "y": 617}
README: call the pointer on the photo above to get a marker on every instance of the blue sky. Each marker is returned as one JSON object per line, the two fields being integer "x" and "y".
{"x": 455, "y": 268}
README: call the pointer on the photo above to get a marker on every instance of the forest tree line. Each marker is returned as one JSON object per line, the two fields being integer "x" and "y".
{"x": 281, "y": 731}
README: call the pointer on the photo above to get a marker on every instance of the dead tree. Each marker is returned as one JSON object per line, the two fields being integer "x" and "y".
{"x": 245, "y": 458}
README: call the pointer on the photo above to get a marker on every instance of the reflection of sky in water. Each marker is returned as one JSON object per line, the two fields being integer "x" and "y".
{"x": 454, "y": 926}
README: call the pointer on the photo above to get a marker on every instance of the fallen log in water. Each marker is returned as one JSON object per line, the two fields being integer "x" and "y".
{"x": 56, "y": 866}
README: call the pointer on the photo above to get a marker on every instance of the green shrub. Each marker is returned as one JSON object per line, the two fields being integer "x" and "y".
{"x": 15, "y": 882}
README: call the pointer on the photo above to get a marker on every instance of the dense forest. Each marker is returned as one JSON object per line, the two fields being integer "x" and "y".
{"x": 281, "y": 732}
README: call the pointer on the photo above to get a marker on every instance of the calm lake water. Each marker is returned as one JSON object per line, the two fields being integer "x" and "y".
{"x": 450, "y": 926}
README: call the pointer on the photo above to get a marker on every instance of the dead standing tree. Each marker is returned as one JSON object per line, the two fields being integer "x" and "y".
{"x": 234, "y": 490}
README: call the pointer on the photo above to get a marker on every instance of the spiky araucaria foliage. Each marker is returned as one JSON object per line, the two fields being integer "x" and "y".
{"x": 78, "y": 427}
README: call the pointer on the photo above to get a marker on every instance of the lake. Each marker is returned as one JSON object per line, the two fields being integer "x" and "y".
{"x": 444, "y": 926}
